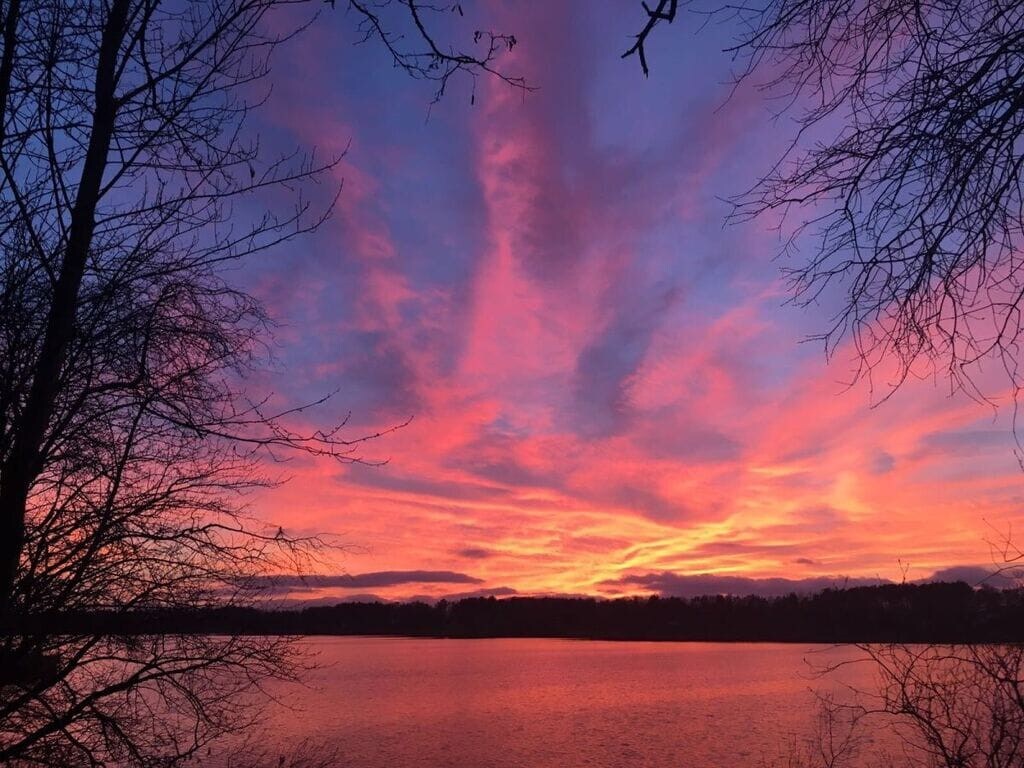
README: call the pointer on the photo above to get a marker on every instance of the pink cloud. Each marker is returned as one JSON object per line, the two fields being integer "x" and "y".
{"x": 600, "y": 387}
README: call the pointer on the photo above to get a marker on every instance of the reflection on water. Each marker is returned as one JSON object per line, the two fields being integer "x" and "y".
{"x": 395, "y": 702}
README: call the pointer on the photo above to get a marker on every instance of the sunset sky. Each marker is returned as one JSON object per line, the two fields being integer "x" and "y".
{"x": 608, "y": 392}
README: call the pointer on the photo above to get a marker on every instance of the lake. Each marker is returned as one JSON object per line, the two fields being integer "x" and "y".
{"x": 545, "y": 703}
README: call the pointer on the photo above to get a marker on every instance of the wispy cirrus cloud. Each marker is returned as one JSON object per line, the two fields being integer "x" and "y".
{"x": 603, "y": 379}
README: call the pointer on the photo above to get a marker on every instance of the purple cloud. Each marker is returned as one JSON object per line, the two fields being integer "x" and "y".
{"x": 373, "y": 580}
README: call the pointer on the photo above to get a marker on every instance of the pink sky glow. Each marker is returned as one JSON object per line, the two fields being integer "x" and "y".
{"x": 603, "y": 376}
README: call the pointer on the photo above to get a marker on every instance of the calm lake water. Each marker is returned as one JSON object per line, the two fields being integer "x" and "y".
{"x": 540, "y": 703}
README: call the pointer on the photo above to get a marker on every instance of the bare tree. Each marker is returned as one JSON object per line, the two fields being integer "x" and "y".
{"x": 836, "y": 739}
{"x": 932, "y": 706}
{"x": 402, "y": 27}
{"x": 907, "y": 175}
{"x": 906, "y": 170}
{"x": 127, "y": 436}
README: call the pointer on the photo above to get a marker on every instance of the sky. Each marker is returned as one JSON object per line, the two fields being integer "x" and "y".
{"x": 603, "y": 388}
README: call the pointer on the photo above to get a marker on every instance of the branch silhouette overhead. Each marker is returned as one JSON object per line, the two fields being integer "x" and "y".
{"x": 130, "y": 183}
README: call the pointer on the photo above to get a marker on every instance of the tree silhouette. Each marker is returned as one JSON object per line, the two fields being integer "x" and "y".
{"x": 905, "y": 172}
{"x": 946, "y": 706}
{"x": 127, "y": 436}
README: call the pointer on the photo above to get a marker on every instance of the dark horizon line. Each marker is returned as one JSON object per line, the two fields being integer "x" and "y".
{"x": 913, "y": 613}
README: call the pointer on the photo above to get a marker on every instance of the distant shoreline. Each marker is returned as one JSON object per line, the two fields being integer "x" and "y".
{"x": 904, "y": 613}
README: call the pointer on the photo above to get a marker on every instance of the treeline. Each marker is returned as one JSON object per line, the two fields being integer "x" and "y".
{"x": 940, "y": 613}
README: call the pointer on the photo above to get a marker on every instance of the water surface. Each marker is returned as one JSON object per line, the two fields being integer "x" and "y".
{"x": 547, "y": 703}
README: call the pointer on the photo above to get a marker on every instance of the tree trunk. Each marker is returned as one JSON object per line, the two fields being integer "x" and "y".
{"x": 24, "y": 462}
